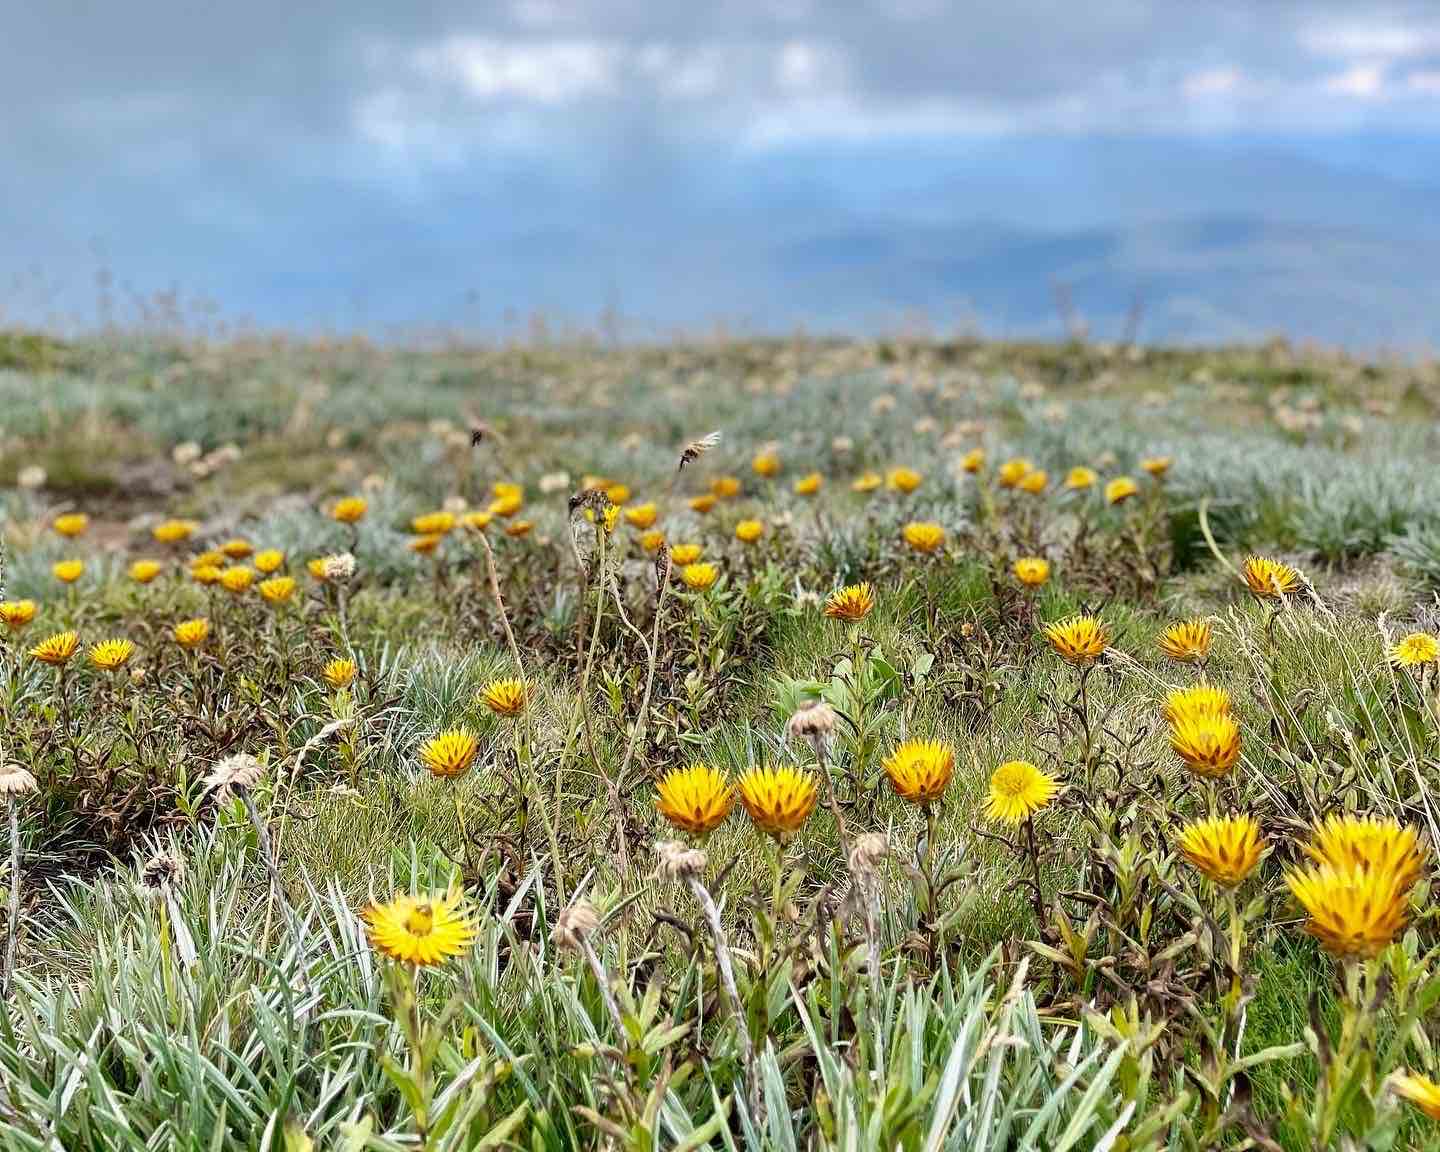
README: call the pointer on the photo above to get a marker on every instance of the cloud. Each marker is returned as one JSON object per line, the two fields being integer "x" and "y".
{"x": 1364, "y": 81}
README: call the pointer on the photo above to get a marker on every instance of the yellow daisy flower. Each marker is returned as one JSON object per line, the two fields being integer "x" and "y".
{"x": 696, "y": 799}
{"x": 867, "y": 482}
{"x": 339, "y": 673}
{"x": 109, "y": 655}
{"x": 237, "y": 548}
{"x": 421, "y": 932}
{"x": 237, "y": 579}
{"x": 618, "y": 493}
{"x": 1420, "y": 1091}
{"x": 749, "y": 531}
{"x": 1079, "y": 640}
{"x": 1202, "y": 699}
{"x": 684, "y": 554}
{"x": 144, "y": 571}
{"x": 1186, "y": 641}
{"x": 1224, "y": 849}
{"x": 1156, "y": 466}
{"x": 853, "y": 602}
{"x": 17, "y": 613}
{"x": 809, "y": 485}
{"x": 425, "y": 545}
{"x": 779, "y": 800}
{"x": 433, "y": 524}
{"x": 703, "y": 503}
{"x": 1367, "y": 843}
{"x": 57, "y": 649}
{"x": 1080, "y": 479}
{"x": 641, "y": 516}
{"x": 920, "y": 770}
{"x": 450, "y": 753}
{"x": 277, "y": 589}
{"x": 68, "y": 571}
{"x": 269, "y": 561}
{"x": 206, "y": 574}
{"x": 1120, "y": 489}
{"x": 903, "y": 479}
{"x": 698, "y": 577}
{"x": 766, "y": 464}
{"x": 1018, "y": 789}
{"x": 503, "y": 697}
{"x": 725, "y": 487}
{"x": 651, "y": 541}
{"x": 923, "y": 536}
{"x": 1034, "y": 481}
{"x": 173, "y": 531}
{"x": 350, "y": 510}
{"x": 1209, "y": 744}
{"x": 72, "y": 524}
{"x": 520, "y": 528}
{"x": 507, "y": 506}
{"x": 973, "y": 461}
{"x": 1353, "y": 912}
{"x": 477, "y": 521}
{"x": 1032, "y": 571}
{"x": 192, "y": 633}
{"x": 1270, "y": 579}
{"x": 1415, "y": 650}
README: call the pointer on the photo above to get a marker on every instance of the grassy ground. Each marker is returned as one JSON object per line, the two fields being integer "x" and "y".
{"x": 941, "y": 1001}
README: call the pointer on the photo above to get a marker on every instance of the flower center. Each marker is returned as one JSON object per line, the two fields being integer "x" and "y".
{"x": 421, "y": 920}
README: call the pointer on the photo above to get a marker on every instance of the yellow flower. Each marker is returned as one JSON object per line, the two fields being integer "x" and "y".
{"x": 610, "y": 517}
{"x": 1202, "y": 699}
{"x": 1414, "y": 650}
{"x": 853, "y": 602}
{"x": 144, "y": 571}
{"x": 724, "y": 487}
{"x": 1018, "y": 789}
{"x": 339, "y": 673}
{"x": 779, "y": 800}
{"x": 237, "y": 579}
{"x": 973, "y": 461}
{"x": 173, "y": 531}
{"x": 1079, "y": 478}
{"x": 588, "y": 483}
{"x": 1032, "y": 571}
{"x": 1208, "y": 743}
{"x": 213, "y": 559}
{"x": 420, "y": 932}
{"x": 1367, "y": 843}
{"x": 450, "y": 753}
{"x": 1225, "y": 850}
{"x": 17, "y": 613}
{"x": 683, "y": 554}
{"x": 618, "y": 494}
{"x": 425, "y": 545}
{"x": 518, "y": 528}
{"x": 651, "y": 541}
{"x": 350, "y": 510}
{"x": 1080, "y": 640}
{"x": 866, "y": 482}
{"x": 809, "y": 485}
{"x": 1270, "y": 579}
{"x": 641, "y": 516}
{"x": 237, "y": 548}
{"x": 433, "y": 524}
{"x": 1120, "y": 489}
{"x": 68, "y": 571}
{"x": 1420, "y": 1091}
{"x": 1013, "y": 471}
{"x": 749, "y": 531}
{"x": 72, "y": 524}
{"x": 766, "y": 464}
{"x": 111, "y": 654}
{"x": 508, "y": 490}
{"x": 903, "y": 479}
{"x": 506, "y": 506}
{"x": 1353, "y": 912}
{"x": 923, "y": 535}
{"x": 504, "y": 697}
{"x": 206, "y": 574}
{"x": 277, "y": 589}
{"x": 920, "y": 770}
{"x": 1034, "y": 481}
{"x": 192, "y": 633}
{"x": 702, "y": 504}
{"x": 1186, "y": 641}
{"x": 696, "y": 799}
{"x": 1157, "y": 466}
{"x": 57, "y": 649}
{"x": 269, "y": 561}
{"x": 316, "y": 568}
{"x": 477, "y": 521}
{"x": 698, "y": 577}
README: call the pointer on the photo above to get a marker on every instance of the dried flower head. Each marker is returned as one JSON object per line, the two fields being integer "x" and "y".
{"x": 696, "y": 799}
{"x": 16, "y": 781}
{"x": 144, "y": 571}
{"x": 238, "y": 772}
{"x": 1208, "y": 744}
{"x": 1018, "y": 789}
{"x": 1079, "y": 640}
{"x": 576, "y": 923}
{"x": 814, "y": 722}
{"x": 1186, "y": 641}
{"x": 920, "y": 770}
{"x": 192, "y": 633}
{"x": 1415, "y": 650}
{"x": 1270, "y": 579}
{"x": 109, "y": 655}
{"x": 749, "y": 531}
{"x": 450, "y": 753}
{"x": 68, "y": 571}
{"x": 699, "y": 577}
{"x": 56, "y": 650}
{"x": 421, "y": 932}
{"x": 350, "y": 510}
{"x": 1224, "y": 849}
{"x": 866, "y": 854}
{"x": 163, "y": 872}
{"x": 676, "y": 861}
{"x": 337, "y": 569}
{"x": 72, "y": 524}
{"x": 339, "y": 672}
{"x": 779, "y": 800}
{"x": 17, "y": 613}
{"x": 1032, "y": 571}
{"x": 853, "y": 602}
{"x": 923, "y": 536}
{"x": 504, "y": 697}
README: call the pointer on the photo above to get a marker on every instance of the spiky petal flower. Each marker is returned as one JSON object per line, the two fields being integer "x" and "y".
{"x": 920, "y": 770}
{"x": 809, "y": 484}
{"x": 725, "y": 487}
{"x": 1224, "y": 849}
{"x": 1202, "y": 699}
{"x": 903, "y": 479}
{"x": 350, "y": 510}
{"x": 72, "y": 524}
{"x": 1353, "y": 912}
{"x": 699, "y": 577}
{"x": 1034, "y": 481}
{"x": 421, "y": 932}
{"x": 450, "y": 753}
{"x": 1120, "y": 489}
{"x": 1080, "y": 478}
{"x": 779, "y": 800}
{"x": 641, "y": 515}
{"x": 1079, "y": 640}
{"x": 237, "y": 548}
{"x": 766, "y": 464}
{"x": 1209, "y": 744}
{"x": 1420, "y": 1091}
{"x": 68, "y": 571}
{"x": 17, "y": 613}
{"x": 433, "y": 524}
{"x": 504, "y": 697}
{"x": 1270, "y": 579}
{"x": 277, "y": 589}
{"x": 1012, "y": 471}
{"x": 1415, "y": 650}
{"x": 173, "y": 531}
{"x": 144, "y": 571}
{"x": 923, "y": 535}
{"x": 1156, "y": 466}
{"x": 109, "y": 655}
{"x": 339, "y": 673}
{"x": 866, "y": 482}
{"x": 1018, "y": 789}
{"x": 973, "y": 460}
{"x": 1186, "y": 641}
{"x": 683, "y": 554}
{"x": 749, "y": 531}
{"x": 238, "y": 579}
{"x": 696, "y": 799}
{"x": 853, "y": 602}
{"x": 57, "y": 649}
{"x": 1032, "y": 571}
{"x": 192, "y": 633}
{"x": 268, "y": 562}
{"x": 1367, "y": 843}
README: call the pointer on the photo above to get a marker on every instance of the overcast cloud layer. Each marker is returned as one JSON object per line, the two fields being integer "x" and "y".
{"x": 291, "y": 160}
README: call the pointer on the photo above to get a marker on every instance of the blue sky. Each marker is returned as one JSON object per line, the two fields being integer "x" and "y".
{"x": 430, "y": 164}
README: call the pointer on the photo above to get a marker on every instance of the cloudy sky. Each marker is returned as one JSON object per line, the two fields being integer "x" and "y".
{"x": 373, "y": 163}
